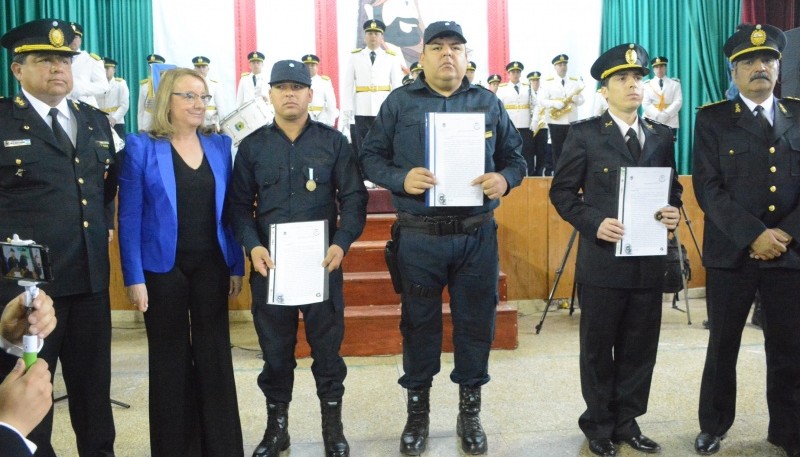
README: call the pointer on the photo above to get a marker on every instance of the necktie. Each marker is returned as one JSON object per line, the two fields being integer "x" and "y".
{"x": 61, "y": 136}
{"x": 516, "y": 88}
{"x": 563, "y": 82}
{"x": 372, "y": 56}
{"x": 254, "y": 81}
{"x": 762, "y": 119}
{"x": 633, "y": 145}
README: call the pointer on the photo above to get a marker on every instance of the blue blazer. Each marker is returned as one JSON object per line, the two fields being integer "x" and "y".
{"x": 148, "y": 214}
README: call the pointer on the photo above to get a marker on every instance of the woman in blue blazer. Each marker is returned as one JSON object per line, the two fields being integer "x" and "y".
{"x": 180, "y": 263}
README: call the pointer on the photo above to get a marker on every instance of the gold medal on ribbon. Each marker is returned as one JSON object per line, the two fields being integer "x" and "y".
{"x": 311, "y": 185}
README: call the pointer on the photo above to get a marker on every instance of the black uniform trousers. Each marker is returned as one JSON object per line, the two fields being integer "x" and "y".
{"x": 528, "y": 150}
{"x": 541, "y": 151}
{"x": 82, "y": 342}
{"x": 193, "y": 405}
{"x": 558, "y": 134}
{"x": 276, "y": 326}
{"x": 618, "y": 343}
{"x": 732, "y": 291}
{"x": 363, "y": 124}
{"x": 468, "y": 265}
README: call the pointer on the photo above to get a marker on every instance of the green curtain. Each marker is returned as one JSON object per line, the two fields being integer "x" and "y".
{"x": 691, "y": 34}
{"x": 121, "y": 29}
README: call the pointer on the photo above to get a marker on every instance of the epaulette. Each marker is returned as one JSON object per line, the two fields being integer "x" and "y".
{"x": 79, "y": 105}
{"x": 676, "y": 80}
{"x": 213, "y": 80}
{"x": 793, "y": 99}
{"x": 584, "y": 120}
{"x": 247, "y": 73}
{"x": 655, "y": 122}
{"x": 712, "y": 104}
{"x": 118, "y": 78}
{"x": 325, "y": 77}
{"x": 503, "y": 84}
{"x": 390, "y": 52}
{"x": 144, "y": 81}
{"x": 355, "y": 51}
{"x": 574, "y": 78}
{"x": 550, "y": 78}
{"x": 95, "y": 56}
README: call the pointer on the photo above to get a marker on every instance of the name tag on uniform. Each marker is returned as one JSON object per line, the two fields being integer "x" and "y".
{"x": 15, "y": 143}
{"x": 488, "y": 134}
{"x": 102, "y": 144}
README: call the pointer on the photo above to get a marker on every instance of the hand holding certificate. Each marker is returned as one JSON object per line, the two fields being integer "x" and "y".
{"x": 455, "y": 154}
{"x": 298, "y": 250}
{"x": 643, "y": 193}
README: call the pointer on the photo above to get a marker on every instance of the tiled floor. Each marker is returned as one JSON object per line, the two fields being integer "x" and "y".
{"x": 530, "y": 408}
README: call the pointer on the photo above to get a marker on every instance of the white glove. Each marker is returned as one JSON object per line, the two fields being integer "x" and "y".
{"x": 559, "y": 104}
{"x": 662, "y": 117}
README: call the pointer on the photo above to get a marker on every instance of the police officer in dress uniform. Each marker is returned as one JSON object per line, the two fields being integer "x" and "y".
{"x": 116, "y": 101}
{"x": 663, "y": 97}
{"x": 471, "y": 67}
{"x": 538, "y": 125}
{"x": 561, "y": 96}
{"x": 620, "y": 296}
{"x": 215, "y": 109}
{"x": 147, "y": 96}
{"x": 746, "y": 163}
{"x": 310, "y": 173}
{"x": 57, "y": 184}
{"x": 372, "y": 72}
{"x": 88, "y": 74}
{"x": 252, "y": 83}
{"x": 323, "y": 105}
{"x": 493, "y": 81}
{"x": 516, "y": 98}
{"x": 443, "y": 246}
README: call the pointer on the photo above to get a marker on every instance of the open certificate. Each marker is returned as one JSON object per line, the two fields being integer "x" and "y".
{"x": 298, "y": 248}
{"x": 455, "y": 152}
{"x": 643, "y": 191}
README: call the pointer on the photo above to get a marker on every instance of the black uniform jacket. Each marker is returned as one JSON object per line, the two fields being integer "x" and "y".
{"x": 745, "y": 181}
{"x": 593, "y": 154}
{"x": 55, "y": 198}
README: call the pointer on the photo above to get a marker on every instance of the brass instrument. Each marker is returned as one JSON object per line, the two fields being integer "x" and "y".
{"x": 541, "y": 121}
{"x": 568, "y": 105}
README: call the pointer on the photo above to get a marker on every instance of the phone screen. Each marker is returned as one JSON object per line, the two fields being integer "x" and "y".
{"x": 26, "y": 263}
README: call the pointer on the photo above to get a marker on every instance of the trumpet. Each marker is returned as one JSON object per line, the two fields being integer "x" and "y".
{"x": 568, "y": 105}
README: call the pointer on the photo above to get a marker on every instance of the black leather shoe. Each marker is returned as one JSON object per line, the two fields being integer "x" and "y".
{"x": 706, "y": 443}
{"x": 642, "y": 444}
{"x": 602, "y": 447}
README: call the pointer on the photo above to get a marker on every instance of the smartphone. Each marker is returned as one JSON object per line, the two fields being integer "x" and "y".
{"x": 30, "y": 262}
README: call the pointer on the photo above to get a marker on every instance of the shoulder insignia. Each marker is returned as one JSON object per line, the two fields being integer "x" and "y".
{"x": 118, "y": 78}
{"x": 574, "y": 78}
{"x": 355, "y": 51}
{"x": 391, "y": 52}
{"x": 212, "y": 80}
{"x": 247, "y": 73}
{"x": 144, "y": 81}
{"x": 95, "y": 56}
{"x": 676, "y": 80}
{"x": 707, "y": 105}
{"x": 793, "y": 99}
{"x": 325, "y": 77}
{"x": 582, "y": 121}
{"x": 20, "y": 101}
{"x": 649, "y": 123}
{"x": 503, "y": 84}
{"x": 550, "y": 78}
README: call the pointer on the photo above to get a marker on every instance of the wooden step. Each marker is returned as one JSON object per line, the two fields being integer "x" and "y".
{"x": 365, "y": 256}
{"x": 375, "y": 330}
{"x": 378, "y": 228}
{"x": 375, "y": 289}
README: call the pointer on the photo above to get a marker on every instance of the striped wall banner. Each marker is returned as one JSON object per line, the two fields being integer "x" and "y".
{"x": 244, "y": 12}
{"x": 497, "y": 19}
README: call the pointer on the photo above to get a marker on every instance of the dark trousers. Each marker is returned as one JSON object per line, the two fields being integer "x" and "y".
{"x": 276, "y": 326}
{"x": 468, "y": 266}
{"x": 120, "y": 129}
{"x": 732, "y": 292}
{"x": 618, "y": 344}
{"x": 558, "y": 134}
{"x": 82, "y": 342}
{"x": 541, "y": 151}
{"x": 363, "y": 124}
{"x": 193, "y": 407}
{"x": 528, "y": 150}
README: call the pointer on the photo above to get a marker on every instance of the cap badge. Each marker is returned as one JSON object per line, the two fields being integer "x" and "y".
{"x": 630, "y": 55}
{"x": 291, "y": 65}
{"x": 759, "y": 36}
{"x": 56, "y": 36}
{"x": 373, "y": 25}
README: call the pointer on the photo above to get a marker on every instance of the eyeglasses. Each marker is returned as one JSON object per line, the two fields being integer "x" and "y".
{"x": 192, "y": 97}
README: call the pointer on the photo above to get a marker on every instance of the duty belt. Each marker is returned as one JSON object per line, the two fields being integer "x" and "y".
{"x": 373, "y": 88}
{"x": 442, "y": 225}
{"x": 517, "y": 106}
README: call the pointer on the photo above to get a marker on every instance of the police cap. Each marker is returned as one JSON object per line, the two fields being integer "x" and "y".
{"x": 443, "y": 28}
{"x": 753, "y": 38}
{"x": 41, "y": 35}
{"x": 623, "y": 57}
{"x": 290, "y": 71}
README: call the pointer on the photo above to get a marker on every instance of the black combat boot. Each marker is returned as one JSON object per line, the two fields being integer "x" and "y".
{"x": 415, "y": 434}
{"x": 332, "y": 430}
{"x": 276, "y": 436}
{"x": 468, "y": 425}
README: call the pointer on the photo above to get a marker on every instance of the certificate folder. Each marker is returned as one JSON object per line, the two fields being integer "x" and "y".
{"x": 643, "y": 191}
{"x": 298, "y": 249}
{"x": 455, "y": 151}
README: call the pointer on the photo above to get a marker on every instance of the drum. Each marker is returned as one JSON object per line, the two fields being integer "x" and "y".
{"x": 245, "y": 120}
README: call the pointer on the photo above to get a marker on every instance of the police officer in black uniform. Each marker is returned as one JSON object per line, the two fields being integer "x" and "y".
{"x": 620, "y": 296}
{"x": 57, "y": 186}
{"x": 746, "y": 168}
{"x": 443, "y": 246}
{"x": 308, "y": 170}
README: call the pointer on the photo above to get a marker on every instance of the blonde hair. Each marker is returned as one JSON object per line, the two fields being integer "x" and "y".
{"x": 162, "y": 126}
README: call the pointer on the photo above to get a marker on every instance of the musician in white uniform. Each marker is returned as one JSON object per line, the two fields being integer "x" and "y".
{"x": 323, "y": 104}
{"x": 561, "y": 96}
{"x": 516, "y": 98}
{"x": 493, "y": 82}
{"x": 216, "y": 109}
{"x": 663, "y": 97}
{"x": 117, "y": 100}
{"x": 372, "y": 72}
{"x": 252, "y": 83}
{"x": 88, "y": 74}
{"x": 147, "y": 96}
{"x": 539, "y": 128}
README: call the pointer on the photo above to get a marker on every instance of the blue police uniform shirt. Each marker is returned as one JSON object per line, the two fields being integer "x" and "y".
{"x": 396, "y": 142}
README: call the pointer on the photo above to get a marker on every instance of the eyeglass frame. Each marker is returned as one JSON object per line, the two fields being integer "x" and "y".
{"x": 191, "y": 97}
